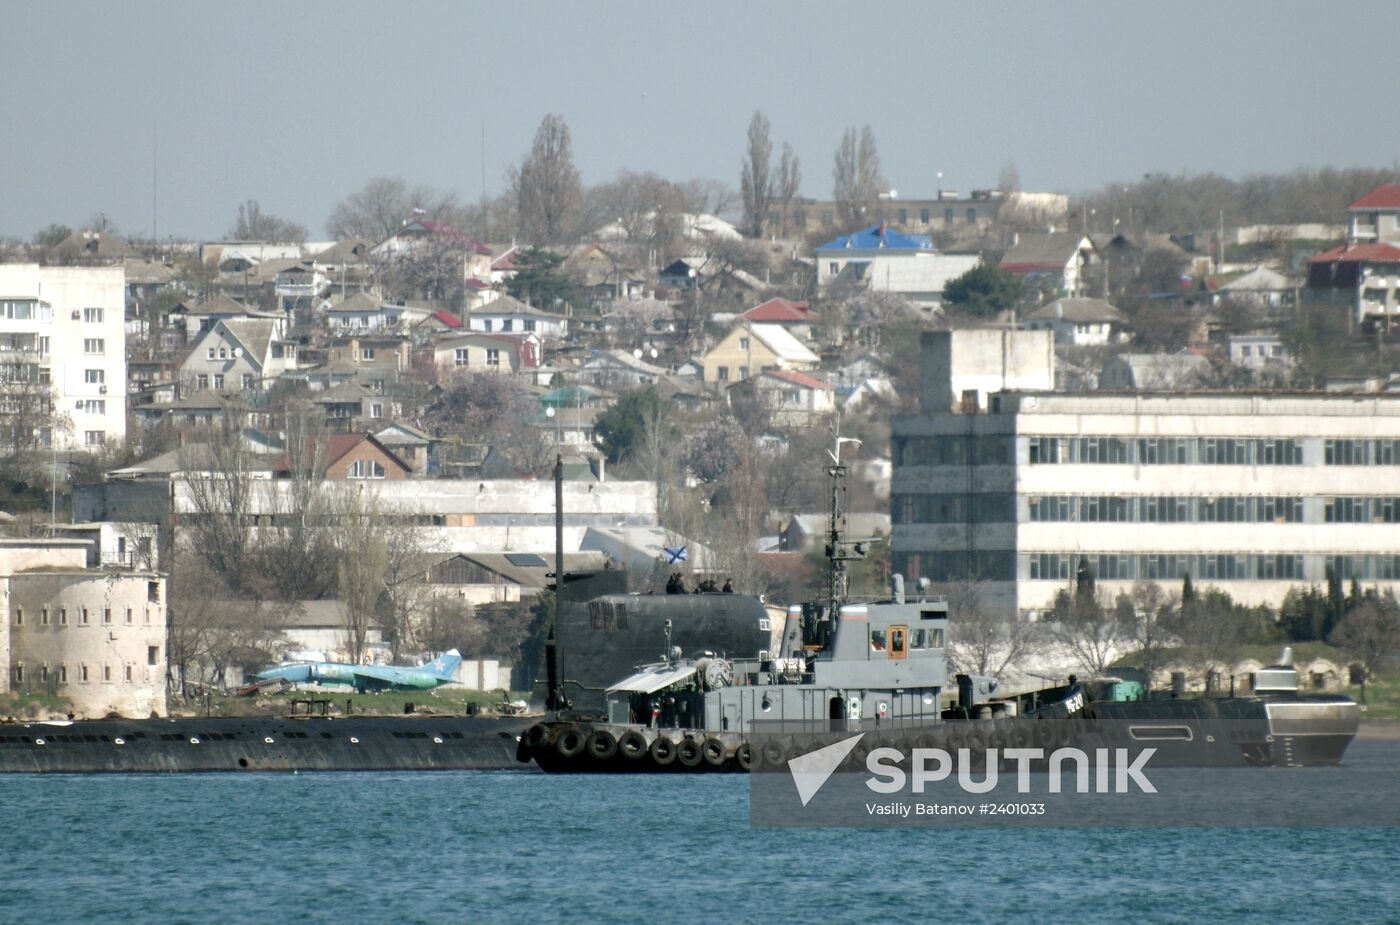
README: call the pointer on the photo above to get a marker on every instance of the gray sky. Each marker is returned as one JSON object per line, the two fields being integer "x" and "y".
{"x": 297, "y": 104}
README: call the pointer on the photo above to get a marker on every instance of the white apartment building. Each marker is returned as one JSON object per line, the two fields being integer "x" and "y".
{"x": 65, "y": 327}
{"x": 1254, "y": 493}
{"x": 94, "y": 636}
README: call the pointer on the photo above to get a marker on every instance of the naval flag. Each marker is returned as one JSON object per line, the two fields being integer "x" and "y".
{"x": 675, "y": 553}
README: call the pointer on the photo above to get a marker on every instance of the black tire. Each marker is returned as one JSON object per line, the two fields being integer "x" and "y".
{"x": 712, "y": 750}
{"x": 772, "y": 753}
{"x": 602, "y": 744}
{"x": 537, "y": 736}
{"x": 663, "y": 751}
{"x": 743, "y": 756}
{"x": 571, "y": 742}
{"x": 688, "y": 753}
{"x": 928, "y": 740}
{"x": 632, "y": 744}
{"x": 1021, "y": 736}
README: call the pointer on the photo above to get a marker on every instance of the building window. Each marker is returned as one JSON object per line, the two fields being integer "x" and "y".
{"x": 924, "y": 216}
{"x": 493, "y": 359}
{"x": 724, "y": 374}
{"x": 376, "y": 410}
{"x": 218, "y": 380}
{"x": 83, "y": 673}
{"x": 44, "y": 673}
{"x": 62, "y": 674}
{"x": 743, "y": 343}
{"x": 127, "y": 672}
{"x": 44, "y": 346}
{"x": 19, "y": 616}
{"x": 19, "y": 674}
{"x": 364, "y": 469}
{"x": 202, "y": 382}
{"x": 94, "y": 437}
{"x": 152, "y": 654}
{"x": 507, "y": 324}
{"x": 63, "y": 616}
{"x": 107, "y": 673}
{"x": 94, "y": 346}
{"x": 528, "y": 324}
{"x": 92, "y": 316}
{"x": 903, "y": 216}
{"x": 106, "y": 616}
{"x": 93, "y": 406}
{"x": 153, "y": 592}
{"x": 971, "y": 215}
{"x": 459, "y": 357}
{"x": 129, "y": 616}
{"x": 947, "y": 216}
{"x": 833, "y": 267}
{"x": 209, "y": 354}
{"x": 44, "y": 617}
{"x": 366, "y": 353}
{"x": 223, "y": 353}
{"x": 486, "y": 324}
{"x": 94, "y": 376}
{"x": 247, "y": 381}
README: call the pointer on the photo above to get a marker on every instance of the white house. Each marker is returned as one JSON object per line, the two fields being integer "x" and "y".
{"x": 1080, "y": 322}
{"x": 490, "y": 352}
{"x": 1057, "y": 257}
{"x": 505, "y": 315}
{"x": 791, "y": 398}
{"x": 238, "y": 355}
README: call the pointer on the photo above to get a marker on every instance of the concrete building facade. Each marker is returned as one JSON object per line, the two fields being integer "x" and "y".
{"x": 95, "y": 637}
{"x": 65, "y": 328}
{"x": 1255, "y": 493}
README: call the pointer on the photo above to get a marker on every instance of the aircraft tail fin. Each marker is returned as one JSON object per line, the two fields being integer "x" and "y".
{"x": 445, "y": 664}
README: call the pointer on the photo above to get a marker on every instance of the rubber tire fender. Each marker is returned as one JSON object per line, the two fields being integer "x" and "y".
{"x": 602, "y": 744}
{"x": 712, "y": 750}
{"x": 662, "y": 751}
{"x": 743, "y": 756}
{"x": 537, "y": 736}
{"x": 571, "y": 742}
{"x": 632, "y": 744}
{"x": 772, "y": 753}
{"x": 688, "y": 752}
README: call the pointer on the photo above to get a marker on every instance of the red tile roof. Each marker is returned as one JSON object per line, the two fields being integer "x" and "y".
{"x": 1359, "y": 253}
{"x": 447, "y": 318}
{"x": 1382, "y": 197}
{"x": 796, "y": 378}
{"x": 780, "y": 310}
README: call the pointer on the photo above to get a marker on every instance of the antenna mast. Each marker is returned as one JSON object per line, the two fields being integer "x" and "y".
{"x": 836, "y": 555}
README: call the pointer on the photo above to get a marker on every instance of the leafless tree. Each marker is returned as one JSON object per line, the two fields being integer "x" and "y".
{"x": 984, "y": 641}
{"x": 297, "y": 551}
{"x": 222, "y": 495}
{"x": 363, "y": 565}
{"x": 378, "y": 209}
{"x": 26, "y": 412}
{"x": 788, "y": 182}
{"x": 406, "y": 597}
{"x": 253, "y": 224}
{"x": 1144, "y": 614}
{"x": 857, "y": 176}
{"x": 1087, "y": 628}
{"x": 1370, "y": 631}
{"x": 656, "y": 452}
{"x": 631, "y": 320}
{"x": 546, "y": 185}
{"x": 756, "y": 175}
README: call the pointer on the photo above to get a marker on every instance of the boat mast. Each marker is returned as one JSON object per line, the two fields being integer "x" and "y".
{"x": 553, "y": 646}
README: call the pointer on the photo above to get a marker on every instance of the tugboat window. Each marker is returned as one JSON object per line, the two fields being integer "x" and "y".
{"x": 877, "y": 640}
{"x": 899, "y": 641}
{"x": 918, "y": 639}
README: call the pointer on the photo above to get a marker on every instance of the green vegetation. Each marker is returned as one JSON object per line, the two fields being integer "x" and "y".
{"x": 1382, "y": 699}
{"x": 32, "y": 704}
{"x": 984, "y": 291}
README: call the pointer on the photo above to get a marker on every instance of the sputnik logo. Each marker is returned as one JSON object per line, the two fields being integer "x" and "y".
{"x": 811, "y": 771}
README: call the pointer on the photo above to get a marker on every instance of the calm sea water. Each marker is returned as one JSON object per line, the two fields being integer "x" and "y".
{"x": 521, "y": 847}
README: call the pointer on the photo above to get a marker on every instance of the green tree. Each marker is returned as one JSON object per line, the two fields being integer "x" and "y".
{"x": 540, "y": 280}
{"x": 620, "y": 428}
{"x": 984, "y": 291}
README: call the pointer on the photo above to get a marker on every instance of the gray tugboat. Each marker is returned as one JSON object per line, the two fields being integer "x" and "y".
{"x": 882, "y": 669}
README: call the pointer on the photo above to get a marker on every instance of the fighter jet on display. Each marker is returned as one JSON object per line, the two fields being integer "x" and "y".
{"x": 369, "y": 677}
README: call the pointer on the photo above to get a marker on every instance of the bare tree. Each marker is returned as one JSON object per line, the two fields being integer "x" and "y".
{"x": 756, "y": 175}
{"x": 546, "y": 185}
{"x": 378, "y": 209}
{"x": 27, "y": 413}
{"x": 253, "y": 224}
{"x": 1370, "y": 631}
{"x": 984, "y": 641}
{"x": 222, "y": 492}
{"x": 406, "y": 596}
{"x": 787, "y": 183}
{"x": 1144, "y": 615}
{"x": 1086, "y": 628}
{"x": 857, "y": 177}
{"x": 363, "y": 566}
{"x": 297, "y": 551}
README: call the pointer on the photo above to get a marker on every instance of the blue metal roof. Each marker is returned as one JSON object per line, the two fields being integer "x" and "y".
{"x": 879, "y": 237}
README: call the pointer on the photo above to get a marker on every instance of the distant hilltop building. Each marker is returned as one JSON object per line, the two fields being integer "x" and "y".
{"x": 1363, "y": 274}
{"x": 967, "y": 216}
{"x": 1002, "y": 481}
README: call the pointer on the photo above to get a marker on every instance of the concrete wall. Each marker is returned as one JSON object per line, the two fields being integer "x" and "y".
{"x": 984, "y": 360}
{"x": 121, "y": 646}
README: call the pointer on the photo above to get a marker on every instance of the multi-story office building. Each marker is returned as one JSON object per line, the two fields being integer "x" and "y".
{"x": 1254, "y": 493}
{"x": 64, "y": 328}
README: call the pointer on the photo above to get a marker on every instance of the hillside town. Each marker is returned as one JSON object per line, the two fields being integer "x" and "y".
{"x": 1095, "y": 424}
